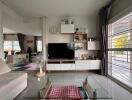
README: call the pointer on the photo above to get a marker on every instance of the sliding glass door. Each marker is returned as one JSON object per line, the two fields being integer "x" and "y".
{"x": 120, "y": 50}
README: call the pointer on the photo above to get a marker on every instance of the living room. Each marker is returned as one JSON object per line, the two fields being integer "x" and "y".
{"x": 46, "y": 45}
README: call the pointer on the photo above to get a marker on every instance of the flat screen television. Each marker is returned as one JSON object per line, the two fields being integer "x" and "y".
{"x": 60, "y": 51}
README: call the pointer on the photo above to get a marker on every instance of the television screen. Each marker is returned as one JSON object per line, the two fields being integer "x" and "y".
{"x": 60, "y": 51}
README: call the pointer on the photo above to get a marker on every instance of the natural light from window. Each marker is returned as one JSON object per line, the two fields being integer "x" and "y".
{"x": 11, "y": 46}
{"x": 120, "y": 50}
{"x": 39, "y": 46}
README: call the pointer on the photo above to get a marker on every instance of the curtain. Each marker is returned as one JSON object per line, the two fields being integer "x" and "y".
{"x": 35, "y": 43}
{"x": 21, "y": 39}
{"x": 103, "y": 27}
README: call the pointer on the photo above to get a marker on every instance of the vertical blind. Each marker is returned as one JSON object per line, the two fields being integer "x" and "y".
{"x": 120, "y": 50}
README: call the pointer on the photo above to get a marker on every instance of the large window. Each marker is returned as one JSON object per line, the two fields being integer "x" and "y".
{"x": 120, "y": 50}
{"x": 11, "y": 46}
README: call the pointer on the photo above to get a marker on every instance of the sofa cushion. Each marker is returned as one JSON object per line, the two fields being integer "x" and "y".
{"x": 12, "y": 81}
{"x": 4, "y": 67}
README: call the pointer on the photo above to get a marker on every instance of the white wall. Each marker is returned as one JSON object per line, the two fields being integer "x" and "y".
{"x": 32, "y": 27}
{"x": 10, "y": 37}
{"x": 80, "y": 22}
{"x": 1, "y": 35}
{"x": 11, "y": 20}
{"x": 14, "y": 23}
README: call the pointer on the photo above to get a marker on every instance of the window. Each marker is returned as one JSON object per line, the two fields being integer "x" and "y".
{"x": 39, "y": 46}
{"x": 11, "y": 46}
{"x": 120, "y": 50}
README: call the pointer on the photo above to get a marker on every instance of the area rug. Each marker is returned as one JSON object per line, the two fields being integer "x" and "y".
{"x": 31, "y": 66}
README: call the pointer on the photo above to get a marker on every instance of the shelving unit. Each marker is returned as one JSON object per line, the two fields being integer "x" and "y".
{"x": 80, "y": 44}
{"x": 85, "y": 47}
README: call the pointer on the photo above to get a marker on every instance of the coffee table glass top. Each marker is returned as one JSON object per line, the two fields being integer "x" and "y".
{"x": 101, "y": 93}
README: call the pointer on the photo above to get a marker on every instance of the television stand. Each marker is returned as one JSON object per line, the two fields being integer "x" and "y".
{"x": 73, "y": 65}
{"x": 61, "y": 61}
{"x": 60, "y": 64}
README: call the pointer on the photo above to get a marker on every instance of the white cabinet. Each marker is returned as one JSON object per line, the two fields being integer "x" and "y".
{"x": 73, "y": 67}
{"x": 67, "y": 66}
{"x": 67, "y": 28}
{"x": 53, "y": 67}
{"x": 78, "y": 65}
{"x": 82, "y": 64}
{"x": 60, "y": 67}
{"x": 93, "y": 45}
{"x": 95, "y": 64}
{"x": 87, "y": 64}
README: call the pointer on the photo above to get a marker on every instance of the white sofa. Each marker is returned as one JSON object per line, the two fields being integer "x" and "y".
{"x": 11, "y": 83}
{"x": 17, "y": 59}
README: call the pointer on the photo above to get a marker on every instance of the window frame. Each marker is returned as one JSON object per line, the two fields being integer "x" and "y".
{"x": 110, "y": 49}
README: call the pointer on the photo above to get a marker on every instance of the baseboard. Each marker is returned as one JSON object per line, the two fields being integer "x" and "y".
{"x": 73, "y": 71}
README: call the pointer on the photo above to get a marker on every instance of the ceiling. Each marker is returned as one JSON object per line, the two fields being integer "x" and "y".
{"x": 38, "y": 8}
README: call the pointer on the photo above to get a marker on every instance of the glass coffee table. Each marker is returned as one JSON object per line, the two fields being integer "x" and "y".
{"x": 92, "y": 90}
{"x": 95, "y": 90}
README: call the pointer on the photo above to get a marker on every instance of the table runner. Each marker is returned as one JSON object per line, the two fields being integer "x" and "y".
{"x": 64, "y": 93}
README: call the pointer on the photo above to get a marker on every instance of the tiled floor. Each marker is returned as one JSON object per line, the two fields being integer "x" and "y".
{"x": 31, "y": 93}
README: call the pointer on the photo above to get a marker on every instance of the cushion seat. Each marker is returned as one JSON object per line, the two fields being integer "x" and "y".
{"x": 11, "y": 84}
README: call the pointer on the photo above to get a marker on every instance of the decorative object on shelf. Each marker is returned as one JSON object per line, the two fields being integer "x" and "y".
{"x": 81, "y": 30}
{"x": 80, "y": 38}
{"x": 93, "y": 45}
{"x": 53, "y": 29}
{"x": 67, "y": 20}
{"x": 76, "y": 30}
{"x": 84, "y": 56}
{"x": 80, "y": 46}
{"x": 80, "y": 42}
